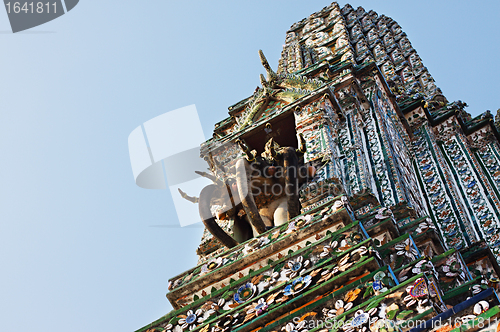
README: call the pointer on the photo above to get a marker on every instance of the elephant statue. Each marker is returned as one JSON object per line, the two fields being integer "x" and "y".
{"x": 260, "y": 192}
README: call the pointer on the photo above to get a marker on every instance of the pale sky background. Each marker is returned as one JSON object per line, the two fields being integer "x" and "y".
{"x": 79, "y": 249}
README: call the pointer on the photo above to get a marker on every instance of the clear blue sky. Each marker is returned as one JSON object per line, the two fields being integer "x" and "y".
{"x": 79, "y": 249}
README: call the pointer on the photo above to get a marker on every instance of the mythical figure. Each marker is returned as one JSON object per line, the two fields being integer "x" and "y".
{"x": 258, "y": 191}
{"x": 261, "y": 192}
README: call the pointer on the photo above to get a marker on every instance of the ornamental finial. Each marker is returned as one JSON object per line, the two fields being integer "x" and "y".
{"x": 271, "y": 75}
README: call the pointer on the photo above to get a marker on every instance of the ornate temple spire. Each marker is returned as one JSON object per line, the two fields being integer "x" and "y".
{"x": 384, "y": 197}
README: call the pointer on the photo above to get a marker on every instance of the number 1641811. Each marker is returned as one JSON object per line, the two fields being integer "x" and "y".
{"x": 32, "y": 7}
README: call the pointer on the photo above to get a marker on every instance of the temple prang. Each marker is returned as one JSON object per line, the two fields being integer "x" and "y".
{"x": 348, "y": 195}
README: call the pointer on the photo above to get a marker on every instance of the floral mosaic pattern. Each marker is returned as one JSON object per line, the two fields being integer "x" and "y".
{"x": 489, "y": 157}
{"x": 382, "y": 213}
{"x": 342, "y": 247}
{"x": 394, "y": 151}
{"x": 285, "y": 279}
{"x": 422, "y": 265}
{"x": 447, "y": 211}
{"x": 451, "y": 269}
{"x": 477, "y": 312}
{"x": 381, "y": 170}
{"x": 474, "y": 190}
{"x": 420, "y": 226}
{"x": 319, "y": 142}
{"x": 280, "y": 295}
{"x": 484, "y": 268}
{"x": 425, "y": 235}
{"x": 356, "y": 309}
{"x": 351, "y": 146}
{"x": 255, "y": 244}
{"x": 399, "y": 252}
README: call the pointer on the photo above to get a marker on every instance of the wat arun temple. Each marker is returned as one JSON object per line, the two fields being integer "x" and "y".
{"x": 349, "y": 195}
